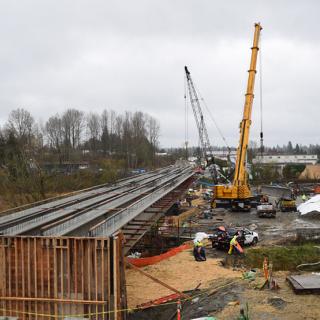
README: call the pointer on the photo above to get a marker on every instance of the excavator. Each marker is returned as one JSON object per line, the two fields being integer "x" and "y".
{"x": 238, "y": 195}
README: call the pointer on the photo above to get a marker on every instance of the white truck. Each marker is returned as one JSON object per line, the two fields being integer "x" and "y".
{"x": 266, "y": 210}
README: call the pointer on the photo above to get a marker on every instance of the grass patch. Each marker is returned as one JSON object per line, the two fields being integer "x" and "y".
{"x": 284, "y": 257}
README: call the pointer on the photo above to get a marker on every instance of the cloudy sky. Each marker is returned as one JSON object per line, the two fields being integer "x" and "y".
{"x": 130, "y": 55}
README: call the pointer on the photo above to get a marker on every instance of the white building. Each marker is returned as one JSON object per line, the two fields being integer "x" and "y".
{"x": 282, "y": 160}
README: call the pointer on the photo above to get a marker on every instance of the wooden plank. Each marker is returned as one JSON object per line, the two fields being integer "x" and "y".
{"x": 29, "y": 274}
{"x": 8, "y": 254}
{"x": 75, "y": 269}
{"x": 61, "y": 248}
{"x": 68, "y": 274}
{"x": 35, "y": 264}
{"x": 82, "y": 268}
{"x": 17, "y": 293}
{"x": 96, "y": 273}
{"x": 48, "y": 270}
{"x": 115, "y": 280}
{"x": 55, "y": 276}
{"x": 102, "y": 268}
{"x": 89, "y": 272}
{"x": 3, "y": 272}
{"x": 109, "y": 272}
{"x": 41, "y": 259}
{"x": 53, "y": 300}
{"x": 23, "y": 279}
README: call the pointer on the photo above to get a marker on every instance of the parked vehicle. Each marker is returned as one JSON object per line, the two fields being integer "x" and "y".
{"x": 221, "y": 237}
{"x": 287, "y": 204}
{"x": 266, "y": 210}
{"x": 207, "y": 195}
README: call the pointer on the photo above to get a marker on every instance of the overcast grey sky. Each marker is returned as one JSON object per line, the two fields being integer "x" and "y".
{"x": 129, "y": 55}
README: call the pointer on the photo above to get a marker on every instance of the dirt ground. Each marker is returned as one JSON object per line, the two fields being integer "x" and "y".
{"x": 282, "y": 304}
{"x": 183, "y": 273}
{"x": 180, "y": 272}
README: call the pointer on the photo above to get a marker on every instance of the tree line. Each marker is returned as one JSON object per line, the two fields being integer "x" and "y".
{"x": 110, "y": 142}
{"x": 75, "y": 135}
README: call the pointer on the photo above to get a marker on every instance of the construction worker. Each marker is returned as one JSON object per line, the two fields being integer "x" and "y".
{"x": 189, "y": 199}
{"x": 304, "y": 197}
{"x": 235, "y": 244}
{"x": 199, "y": 252}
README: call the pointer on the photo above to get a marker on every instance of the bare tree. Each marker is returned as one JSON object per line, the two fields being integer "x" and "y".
{"x": 21, "y": 124}
{"x": 73, "y": 124}
{"x": 104, "y": 120}
{"x": 94, "y": 130}
{"x": 153, "y": 128}
{"x": 118, "y": 132}
{"x": 112, "y": 126}
{"x": 55, "y": 134}
{"x": 127, "y": 136}
{"x": 104, "y": 131}
{"x": 138, "y": 126}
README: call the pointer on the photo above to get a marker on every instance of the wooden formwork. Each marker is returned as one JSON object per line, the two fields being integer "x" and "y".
{"x": 62, "y": 278}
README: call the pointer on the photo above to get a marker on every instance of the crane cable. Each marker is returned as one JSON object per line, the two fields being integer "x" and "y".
{"x": 261, "y": 105}
{"x": 213, "y": 120}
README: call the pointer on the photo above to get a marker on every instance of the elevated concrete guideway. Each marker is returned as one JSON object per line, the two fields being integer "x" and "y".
{"x": 104, "y": 210}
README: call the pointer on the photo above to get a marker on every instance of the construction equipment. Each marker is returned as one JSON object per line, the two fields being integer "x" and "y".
{"x": 205, "y": 146}
{"x": 238, "y": 195}
{"x": 206, "y": 150}
{"x": 266, "y": 210}
{"x": 287, "y": 204}
{"x": 283, "y": 196}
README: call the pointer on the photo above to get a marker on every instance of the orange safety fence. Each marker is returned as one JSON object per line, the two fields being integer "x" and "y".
{"x": 142, "y": 262}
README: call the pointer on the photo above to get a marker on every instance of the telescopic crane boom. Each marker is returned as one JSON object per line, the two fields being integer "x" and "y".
{"x": 239, "y": 193}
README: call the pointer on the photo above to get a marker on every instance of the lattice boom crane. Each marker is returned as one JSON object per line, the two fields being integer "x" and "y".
{"x": 205, "y": 146}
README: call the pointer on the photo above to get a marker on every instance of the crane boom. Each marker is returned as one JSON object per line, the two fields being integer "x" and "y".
{"x": 240, "y": 176}
{"x": 239, "y": 192}
{"x": 206, "y": 148}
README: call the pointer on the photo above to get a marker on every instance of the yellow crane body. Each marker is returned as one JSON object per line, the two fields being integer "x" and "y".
{"x": 239, "y": 190}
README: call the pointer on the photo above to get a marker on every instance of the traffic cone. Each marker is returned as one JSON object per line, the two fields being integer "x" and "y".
{"x": 179, "y": 310}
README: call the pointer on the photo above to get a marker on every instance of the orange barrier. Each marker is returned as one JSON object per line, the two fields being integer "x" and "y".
{"x": 142, "y": 262}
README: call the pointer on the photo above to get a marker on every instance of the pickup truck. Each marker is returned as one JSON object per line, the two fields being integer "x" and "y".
{"x": 266, "y": 210}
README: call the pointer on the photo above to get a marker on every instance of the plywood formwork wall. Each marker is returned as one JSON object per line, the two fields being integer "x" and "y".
{"x": 60, "y": 278}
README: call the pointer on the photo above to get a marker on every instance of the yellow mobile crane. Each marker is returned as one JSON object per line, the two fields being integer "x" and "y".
{"x": 238, "y": 195}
